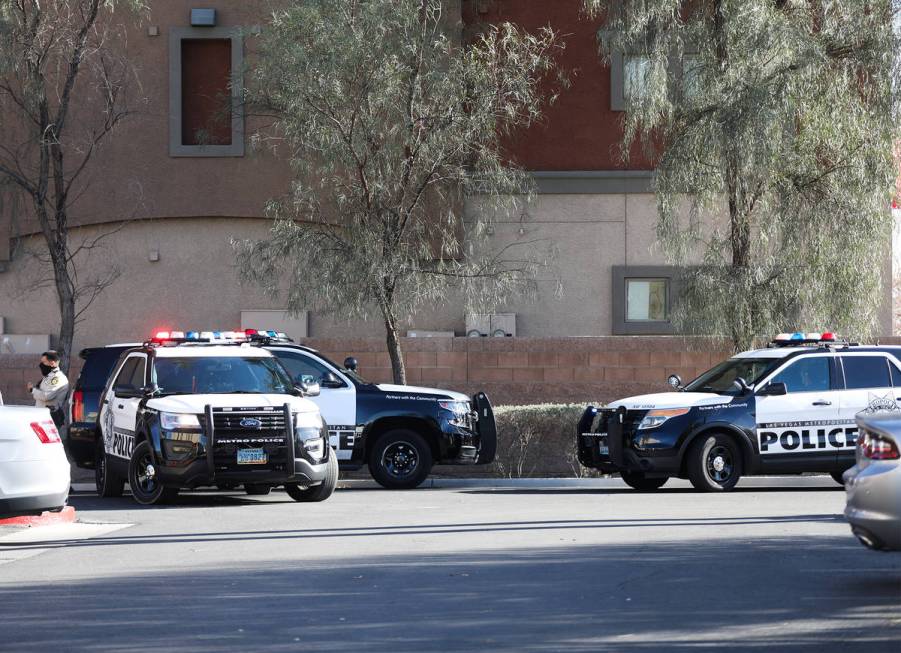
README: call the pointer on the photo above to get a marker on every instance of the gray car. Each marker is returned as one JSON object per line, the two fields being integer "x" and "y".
{"x": 873, "y": 485}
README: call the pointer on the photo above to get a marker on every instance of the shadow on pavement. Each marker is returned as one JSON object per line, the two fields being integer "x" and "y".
{"x": 823, "y": 594}
{"x": 476, "y": 528}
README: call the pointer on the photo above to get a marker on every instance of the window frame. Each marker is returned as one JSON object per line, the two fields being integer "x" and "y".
{"x": 176, "y": 36}
{"x": 624, "y": 273}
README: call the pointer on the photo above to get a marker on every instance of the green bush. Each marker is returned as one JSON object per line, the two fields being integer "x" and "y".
{"x": 538, "y": 440}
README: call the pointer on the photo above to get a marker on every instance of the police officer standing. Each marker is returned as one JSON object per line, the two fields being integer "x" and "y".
{"x": 53, "y": 388}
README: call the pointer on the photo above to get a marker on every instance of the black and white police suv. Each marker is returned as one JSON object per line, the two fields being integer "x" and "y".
{"x": 399, "y": 431}
{"x": 785, "y": 409}
{"x": 182, "y": 413}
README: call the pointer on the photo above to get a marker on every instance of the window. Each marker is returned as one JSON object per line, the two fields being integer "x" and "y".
{"x": 691, "y": 75}
{"x": 646, "y": 300}
{"x": 862, "y": 372}
{"x": 642, "y": 299}
{"x": 137, "y": 377}
{"x": 636, "y": 70}
{"x": 127, "y": 373}
{"x": 205, "y": 89}
{"x": 302, "y": 368}
{"x": 808, "y": 374}
{"x": 206, "y": 111}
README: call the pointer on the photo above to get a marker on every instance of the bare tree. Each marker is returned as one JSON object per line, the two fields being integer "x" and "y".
{"x": 62, "y": 92}
{"x": 389, "y": 121}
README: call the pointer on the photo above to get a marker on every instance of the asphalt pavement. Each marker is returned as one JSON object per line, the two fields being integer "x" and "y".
{"x": 460, "y": 566}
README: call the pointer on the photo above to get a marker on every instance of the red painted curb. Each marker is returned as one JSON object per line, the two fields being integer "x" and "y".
{"x": 64, "y": 516}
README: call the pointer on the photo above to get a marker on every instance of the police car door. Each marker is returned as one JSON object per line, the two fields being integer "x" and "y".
{"x": 793, "y": 430}
{"x": 118, "y": 424}
{"x": 337, "y": 400}
{"x": 868, "y": 385}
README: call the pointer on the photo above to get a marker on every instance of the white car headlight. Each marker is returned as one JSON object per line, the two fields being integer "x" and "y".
{"x": 176, "y": 421}
{"x": 655, "y": 418}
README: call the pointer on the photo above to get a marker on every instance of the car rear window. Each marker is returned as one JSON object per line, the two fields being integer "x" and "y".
{"x": 98, "y": 365}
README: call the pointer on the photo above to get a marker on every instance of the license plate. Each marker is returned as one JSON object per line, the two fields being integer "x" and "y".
{"x": 603, "y": 449}
{"x": 252, "y": 457}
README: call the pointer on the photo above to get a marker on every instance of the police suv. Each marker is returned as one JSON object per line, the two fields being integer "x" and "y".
{"x": 186, "y": 411}
{"x": 785, "y": 409}
{"x": 398, "y": 431}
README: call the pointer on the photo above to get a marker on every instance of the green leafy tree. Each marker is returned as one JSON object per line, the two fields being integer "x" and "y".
{"x": 776, "y": 117}
{"x": 62, "y": 92}
{"x": 390, "y": 120}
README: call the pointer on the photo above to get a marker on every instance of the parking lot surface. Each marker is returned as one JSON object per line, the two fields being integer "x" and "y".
{"x": 540, "y": 566}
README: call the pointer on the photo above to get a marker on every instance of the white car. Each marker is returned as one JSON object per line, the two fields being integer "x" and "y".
{"x": 34, "y": 471}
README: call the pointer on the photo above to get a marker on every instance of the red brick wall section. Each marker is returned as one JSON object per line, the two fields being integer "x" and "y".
{"x": 535, "y": 370}
{"x": 510, "y": 370}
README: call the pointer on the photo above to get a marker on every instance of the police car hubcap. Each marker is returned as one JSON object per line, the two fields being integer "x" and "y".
{"x": 400, "y": 459}
{"x": 719, "y": 464}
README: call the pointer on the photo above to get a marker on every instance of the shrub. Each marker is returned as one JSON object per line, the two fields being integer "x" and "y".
{"x": 538, "y": 440}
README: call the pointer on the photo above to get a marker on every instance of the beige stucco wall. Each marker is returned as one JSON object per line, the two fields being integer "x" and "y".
{"x": 194, "y": 284}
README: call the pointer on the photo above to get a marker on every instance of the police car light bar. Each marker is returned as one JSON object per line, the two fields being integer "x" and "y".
{"x": 222, "y": 337}
{"x": 801, "y": 338}
{"x": 262, "y": 334}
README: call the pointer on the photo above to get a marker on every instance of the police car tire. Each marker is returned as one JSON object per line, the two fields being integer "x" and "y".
{"x": 319, "y": 492}
{"x": 109, "y": 484}
{"x": 400, "y": 438}
{"x": 257, "y": 489}
{"x": 698, "y": 472}
{"x": 639, "y": 481}
{"x": 159, "y": 493}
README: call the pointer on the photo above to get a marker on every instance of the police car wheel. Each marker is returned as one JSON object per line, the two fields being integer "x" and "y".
{"x": 143, "y": 481}
{"x": 400, "y": 460}
{"x": 109, "y": 484}
{"x": 714, "y": 463}
{"x": 257, "y": 489}
{"x": 319, "y": 492}
{"x": 639, "y": 481}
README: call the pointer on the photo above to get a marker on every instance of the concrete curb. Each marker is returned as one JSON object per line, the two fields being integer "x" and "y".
{"x": 64, "y": 516}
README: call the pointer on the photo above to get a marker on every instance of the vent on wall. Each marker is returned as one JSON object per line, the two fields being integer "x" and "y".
{"x": 496, "y": 324}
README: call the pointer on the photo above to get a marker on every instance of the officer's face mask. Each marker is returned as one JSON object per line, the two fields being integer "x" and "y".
{"x": 45, "y": 369}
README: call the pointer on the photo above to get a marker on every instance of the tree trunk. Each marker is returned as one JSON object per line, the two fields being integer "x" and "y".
{"x": 66, "y": 322}
{"x": 394, "y": 351}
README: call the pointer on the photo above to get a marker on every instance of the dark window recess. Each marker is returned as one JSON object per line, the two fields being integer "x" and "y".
{"x": 206, "y": 107}
{"x": 863, "y": 372}
{"x": 805, "y": 375}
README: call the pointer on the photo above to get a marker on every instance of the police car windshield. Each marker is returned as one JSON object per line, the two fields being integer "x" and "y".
{"x": 221, "y": 375}
{"x": 720, "y": 378}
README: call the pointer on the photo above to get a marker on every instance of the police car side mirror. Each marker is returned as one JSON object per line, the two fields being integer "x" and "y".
{"x": 773, "y": 390}
{"x": 329, "y": 380}
{"x": 128, "y": 392}
{"x": 741, "y": 385}
{"x": 309, "y": 389}
{"x": 350, "y": 363}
